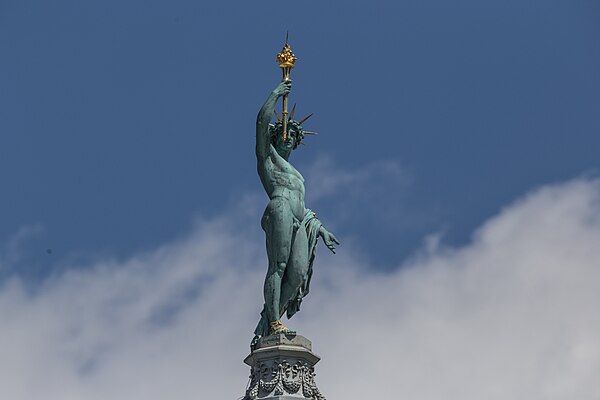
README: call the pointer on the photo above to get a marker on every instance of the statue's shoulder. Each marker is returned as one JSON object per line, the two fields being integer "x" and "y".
{"x": 275, "y": 158}
{"x": 273, "y": 166}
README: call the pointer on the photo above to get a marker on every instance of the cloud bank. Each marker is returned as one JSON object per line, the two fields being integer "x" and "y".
{"x": 512, "y": 315}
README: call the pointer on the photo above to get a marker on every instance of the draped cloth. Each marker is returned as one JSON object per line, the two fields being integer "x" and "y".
{"x": 312, "y": 225}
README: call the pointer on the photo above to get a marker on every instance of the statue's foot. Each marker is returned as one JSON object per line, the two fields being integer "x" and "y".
{"x": 254, "y": 341}
{"x": 277, "y": 327}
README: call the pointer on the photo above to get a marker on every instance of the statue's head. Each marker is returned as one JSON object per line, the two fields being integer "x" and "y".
{"x": 294, "y": 137}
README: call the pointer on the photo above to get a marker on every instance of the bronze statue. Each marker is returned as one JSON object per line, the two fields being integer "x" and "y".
{"x": 292, "y": 231}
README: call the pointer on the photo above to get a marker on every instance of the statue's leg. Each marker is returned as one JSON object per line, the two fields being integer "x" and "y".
{"x": 296, "y": 272}
{"x": 278, "y": 222}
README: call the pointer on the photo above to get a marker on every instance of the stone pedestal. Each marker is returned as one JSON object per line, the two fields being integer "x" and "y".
{"x": 282, "y": 368}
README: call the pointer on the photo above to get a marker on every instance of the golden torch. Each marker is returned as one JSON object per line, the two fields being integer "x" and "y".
{"x": 286, "y": 60}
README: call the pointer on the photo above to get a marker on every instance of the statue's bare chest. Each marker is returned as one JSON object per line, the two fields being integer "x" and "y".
{"x": 282, "y": 173}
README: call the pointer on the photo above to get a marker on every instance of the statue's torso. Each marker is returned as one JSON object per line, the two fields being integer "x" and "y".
{"x": 281, "y": 179}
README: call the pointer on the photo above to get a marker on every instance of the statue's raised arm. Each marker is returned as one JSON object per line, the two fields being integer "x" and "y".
{"x": 263, "y": 133}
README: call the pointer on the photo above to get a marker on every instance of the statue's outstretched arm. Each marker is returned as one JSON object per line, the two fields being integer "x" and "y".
{"x": 328, "y": 238}
{"x": 263, "y": 139}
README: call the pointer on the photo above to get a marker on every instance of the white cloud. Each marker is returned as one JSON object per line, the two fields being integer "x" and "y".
{"x": 327, "y": 178}
{"x": 512, "y": 315}
{"x": 10, "y": 252}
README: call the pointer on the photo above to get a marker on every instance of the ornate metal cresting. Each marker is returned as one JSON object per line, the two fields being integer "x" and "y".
{"x": 282, "y": 378}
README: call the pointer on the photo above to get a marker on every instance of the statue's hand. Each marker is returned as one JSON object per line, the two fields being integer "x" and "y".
{"x": 329, "y": 239}
{"x": 283, "y": 88}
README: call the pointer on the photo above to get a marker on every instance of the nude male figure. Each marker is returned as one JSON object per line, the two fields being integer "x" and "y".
{"x": 291, "y": 230}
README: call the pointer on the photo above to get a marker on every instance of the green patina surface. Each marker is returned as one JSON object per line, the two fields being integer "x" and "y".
{"x": 292, "y": 231}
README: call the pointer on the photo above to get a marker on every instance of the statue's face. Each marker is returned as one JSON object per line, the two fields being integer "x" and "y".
{"x": 285, "y": 147}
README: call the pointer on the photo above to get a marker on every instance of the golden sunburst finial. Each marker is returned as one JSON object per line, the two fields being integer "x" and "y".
{"x": 286, "y": 57}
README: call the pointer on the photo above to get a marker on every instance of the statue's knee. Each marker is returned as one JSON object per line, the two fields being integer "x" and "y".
{"x": 281, "y": 267}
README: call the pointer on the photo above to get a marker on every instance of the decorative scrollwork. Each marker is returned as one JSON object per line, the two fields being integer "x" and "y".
{"x": 282, "y": 378}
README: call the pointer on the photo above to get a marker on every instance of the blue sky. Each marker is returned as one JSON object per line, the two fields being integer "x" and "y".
{"x": 456, "y": 161}
{"x": 124, "y": 121}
